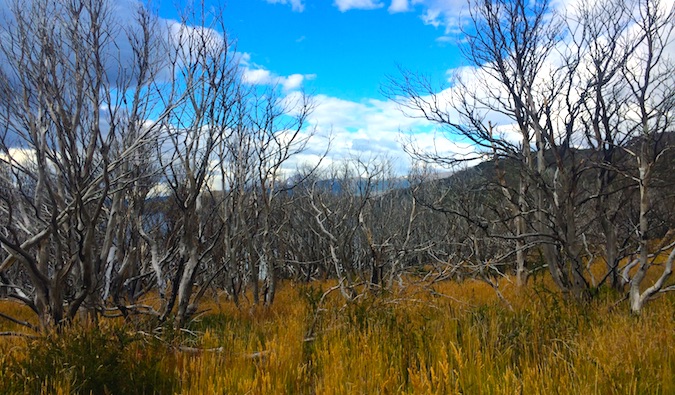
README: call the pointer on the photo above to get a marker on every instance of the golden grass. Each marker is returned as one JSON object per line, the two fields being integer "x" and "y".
{"x": 445, "y": 339}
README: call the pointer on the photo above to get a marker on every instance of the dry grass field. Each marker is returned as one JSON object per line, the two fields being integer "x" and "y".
{"x": 445, "y": 338}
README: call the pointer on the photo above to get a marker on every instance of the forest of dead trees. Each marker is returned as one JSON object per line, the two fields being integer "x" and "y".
{"x": 134, "y": 159}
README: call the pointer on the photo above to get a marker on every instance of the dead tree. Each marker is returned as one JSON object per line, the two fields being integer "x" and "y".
{"x": 648, "y": 76}
{"x": 204, "y": 88}
{"x": 66, "y": 136}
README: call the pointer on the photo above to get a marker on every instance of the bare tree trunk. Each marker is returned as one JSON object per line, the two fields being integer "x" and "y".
{"x": 186, "y": 282}
{"x": 652, "y": 88}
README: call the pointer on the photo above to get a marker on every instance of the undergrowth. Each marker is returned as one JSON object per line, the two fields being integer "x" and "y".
{"x": 88, "y": 360}
{"x": 445, "y": 339}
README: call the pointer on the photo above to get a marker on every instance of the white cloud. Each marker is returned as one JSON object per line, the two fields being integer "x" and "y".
{"x": 346, "y": 5}
{"x": 437, "y": 13}
{"x": 294, "y": 81}
{"x": 19, "y": 156}
{"x": 372, "y": 129}
{"x": 188, "y": 38}
{"x": 121, "y": 25}
{"x": 432, "y": 17}
{"x": 452, "y": 14}
{"x": 296, "y": 5}
{"x": 265, "y": 77}
{"x": 399, "y": 6}
{"x": 257, "y": 75}
{"x": 446, "y": 13}
{"x": 376, "y": 128}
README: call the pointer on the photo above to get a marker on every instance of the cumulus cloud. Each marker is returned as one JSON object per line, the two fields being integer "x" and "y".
{"x": 292, "y": 82}
{"x": 371, "y": 129}
{"x": 257, "y": 75}
{"x": 19, "y": 156}
{"x": 265, "y": 77}
{"x": 296, "y": 5}
{"x": 346, "y": 5}
{"x": 122, "y": 29}
{"x": 399, "y": 6}
{"x": 377, "y": 128}
{"x": 187, "y": 38}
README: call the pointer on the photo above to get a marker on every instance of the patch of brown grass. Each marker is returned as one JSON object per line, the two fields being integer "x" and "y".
{"x": 441, "y": 339}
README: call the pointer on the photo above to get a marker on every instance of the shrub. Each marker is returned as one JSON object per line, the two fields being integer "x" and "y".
{"x": 90, "y": 361}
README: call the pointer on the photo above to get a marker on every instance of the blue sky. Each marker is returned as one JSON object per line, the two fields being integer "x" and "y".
{"x": 341, "y": 52}
{"x": 349, "y": 52}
